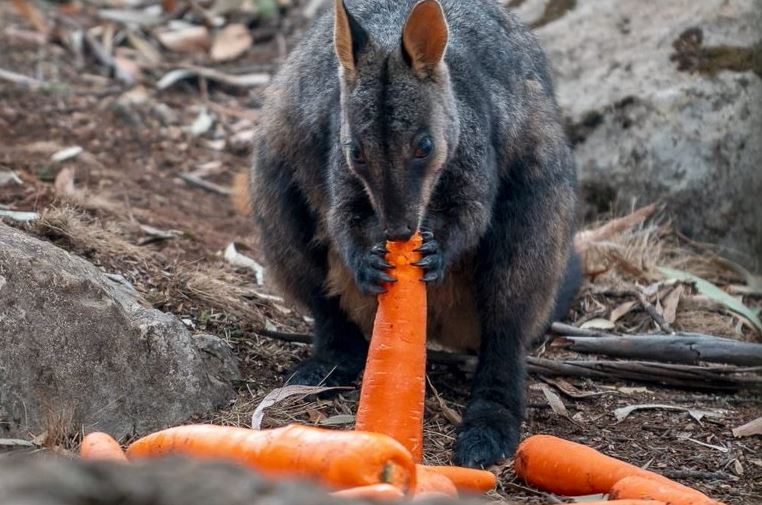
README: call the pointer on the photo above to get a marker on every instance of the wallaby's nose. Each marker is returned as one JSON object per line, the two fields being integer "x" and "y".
{"x": 399, "y": 233}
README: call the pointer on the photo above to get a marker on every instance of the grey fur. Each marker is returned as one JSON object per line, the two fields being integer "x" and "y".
{"x": 498, "y": 194}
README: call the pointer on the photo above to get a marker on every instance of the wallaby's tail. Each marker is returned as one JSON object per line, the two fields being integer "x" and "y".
{"x": 240, "y": 196}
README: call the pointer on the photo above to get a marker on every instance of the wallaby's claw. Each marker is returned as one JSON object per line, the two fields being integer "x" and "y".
{"x": 370, "y": 271}
{"x": 432, "y": 261}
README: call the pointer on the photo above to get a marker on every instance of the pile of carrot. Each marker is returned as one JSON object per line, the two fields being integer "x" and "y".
{"x": 381, "y": 459}
{"x": 571, "y": 469}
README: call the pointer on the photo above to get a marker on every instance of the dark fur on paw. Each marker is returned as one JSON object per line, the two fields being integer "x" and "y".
{"x": 489, "y": 434}
{"x": 370, "y": 271}
{"x": 432, "y": 262}
{"x": 319, "y": 372}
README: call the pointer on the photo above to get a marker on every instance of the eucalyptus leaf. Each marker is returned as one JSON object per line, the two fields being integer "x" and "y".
{"x": 715, "y": 293}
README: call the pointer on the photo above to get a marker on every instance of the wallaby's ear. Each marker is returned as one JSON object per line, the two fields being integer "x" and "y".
{"x": 424, "y": 37}
{"x": 348, "y": 37}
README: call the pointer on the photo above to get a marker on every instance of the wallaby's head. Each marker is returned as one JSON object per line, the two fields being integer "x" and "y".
{"x": 399, "y": 120}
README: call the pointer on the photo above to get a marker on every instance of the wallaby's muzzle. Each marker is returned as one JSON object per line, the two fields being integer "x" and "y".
{"x": 401, "y": 232}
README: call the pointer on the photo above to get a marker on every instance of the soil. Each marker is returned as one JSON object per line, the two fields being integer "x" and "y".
{"x": 135, "y": 148}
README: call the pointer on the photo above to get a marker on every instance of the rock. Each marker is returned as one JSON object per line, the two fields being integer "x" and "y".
{"x": 169, "y": 481}
{"x": 83, "y": 349}
{"x": 665, "y": 103}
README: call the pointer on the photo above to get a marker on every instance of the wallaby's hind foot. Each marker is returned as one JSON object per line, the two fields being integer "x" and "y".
{"x": 316, "y": 371}
{"x": 489, "y": 433}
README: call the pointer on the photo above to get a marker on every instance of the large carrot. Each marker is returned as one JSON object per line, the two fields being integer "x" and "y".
{"x": 431, "y": 482}
{"x": 337, "y": 459}
{"x": 101, "y": 446}
{"x": 635, "y": 487}
{"x": 393, "y": 386}
{"x": 568, "y": 468}
{"x": 372, "y": 492}
{"x": 466, "y": 479}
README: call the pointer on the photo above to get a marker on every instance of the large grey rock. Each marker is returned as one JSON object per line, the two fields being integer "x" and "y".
{"x": 645, "y": 130}
{"x": 80, "y": 348}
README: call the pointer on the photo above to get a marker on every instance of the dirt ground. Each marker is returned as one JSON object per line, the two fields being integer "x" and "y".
{"x": 108, "y": 202}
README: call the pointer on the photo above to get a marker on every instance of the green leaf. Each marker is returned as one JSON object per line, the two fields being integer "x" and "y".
{"x": 265, "y": 9}
{"x": 707, "y": 288}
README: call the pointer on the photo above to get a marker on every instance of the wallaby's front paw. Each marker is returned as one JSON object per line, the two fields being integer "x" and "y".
{"x": 370, "y": 271}
{"x": 432, "y": 262}
{"x": 489, "y": 434}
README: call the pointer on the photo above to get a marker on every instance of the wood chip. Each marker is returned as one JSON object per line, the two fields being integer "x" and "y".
{"x": 749, "y": 429}
{"x": 598, "y": 324}
{"x": 671, "y": 302}
{"x": 194, "y": 39}
{"x": 621, "y": 311}
{"x": 230, "y": 43}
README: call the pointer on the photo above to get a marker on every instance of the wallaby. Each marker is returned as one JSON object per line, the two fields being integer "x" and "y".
{"x": 439, "y": 115}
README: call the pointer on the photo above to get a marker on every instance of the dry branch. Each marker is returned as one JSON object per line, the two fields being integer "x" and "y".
{"x": 677, "y": 348}
{"x": 722, "y": 378}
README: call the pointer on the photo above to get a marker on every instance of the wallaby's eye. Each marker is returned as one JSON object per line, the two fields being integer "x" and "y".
{"x": 424, "y": 147}
{"x": 356, "y": 153}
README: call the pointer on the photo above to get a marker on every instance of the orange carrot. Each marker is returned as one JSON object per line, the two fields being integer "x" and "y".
{"x": 337, "y": 459}
{"x": 571, "y": 469}
{"x": 101, "y": 446}
{"x": 393, "y": 387}
{"x": 466, "y": 479}
{"x": 373, "y": 492}
{"x": 432, "y": 482}
{"x": 635, "y": 487}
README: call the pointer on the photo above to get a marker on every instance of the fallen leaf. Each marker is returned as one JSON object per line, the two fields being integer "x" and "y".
{"x": 9, "y": 176}
{"x": 193, "y": 39}
{"x": 30, "y": 12}
{"x": 233, "y": 257}
{"x": 555, "y": 402}
{"x": 621, "y": 311}
{"x": 146, "y": 50}
{"x": 146, "y": 18}
{"x": 707, "y": 288}
{"x": 598, "y": 324}
{"x": 623, "y": 412}
{"x": 587, "y": 238}
{"x": 710, "y": 446}
{"x": 20, "y": 216}
{"x": 241, "y": 81}
{"x": 64, "y": 183}
{"x": 671, "y": 302}
{"x": 569, "y": 389}
{"x": 202, "y": 124}
{"x": 15, "y": 442}
{"x": 156, "y": 235}
{"x": 126, "y": 70}
{"x": 589, "y": 498}
{"x": 231, "y": 42}
{"x": 280, "y": 394}
{"x": 66, "y": 154}
{"x": 737, "y": 467}
{"x": 338, "y": 420}
{"x": 747, "y": 430}
{"x": 632, "y": 390}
